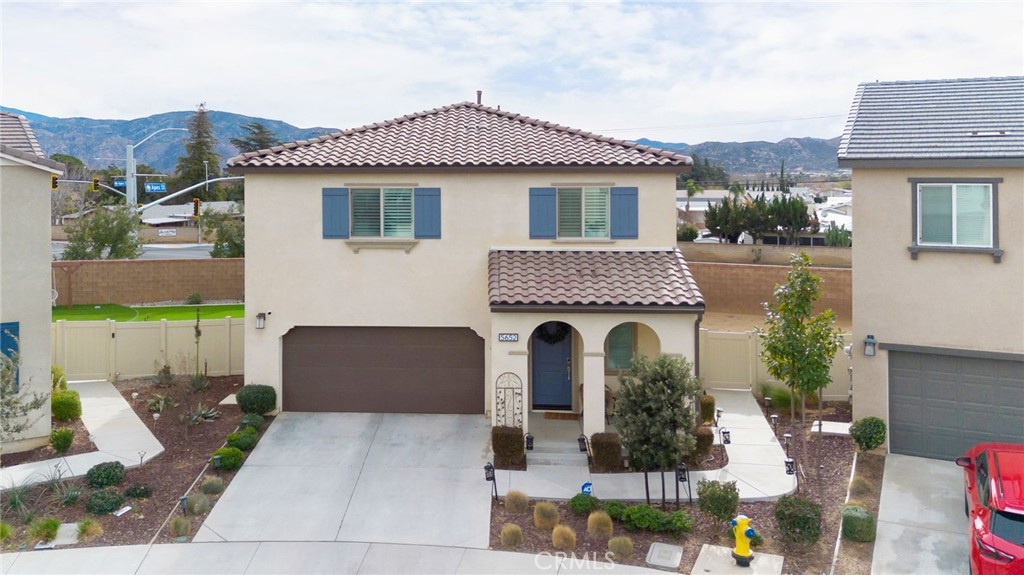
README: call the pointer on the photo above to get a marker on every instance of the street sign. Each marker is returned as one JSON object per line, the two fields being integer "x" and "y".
{"x": 156, "y": 187}
{"x": 120, "y": 183}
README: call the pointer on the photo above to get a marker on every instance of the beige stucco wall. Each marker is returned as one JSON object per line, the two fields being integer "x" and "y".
{"x": 25, "y": 280}
{"x": 303, "y": 279}
{"x": 952, "y": 300}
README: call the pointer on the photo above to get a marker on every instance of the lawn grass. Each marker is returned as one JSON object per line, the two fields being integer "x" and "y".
{"x": 147, "y": 313}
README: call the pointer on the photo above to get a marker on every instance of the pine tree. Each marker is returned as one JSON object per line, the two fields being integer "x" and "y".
{"x": 199, "y": 146}
{"x": 256, "y": 137}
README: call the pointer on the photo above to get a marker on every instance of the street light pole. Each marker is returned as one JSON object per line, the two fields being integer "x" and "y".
{"x": 131, "y": 188}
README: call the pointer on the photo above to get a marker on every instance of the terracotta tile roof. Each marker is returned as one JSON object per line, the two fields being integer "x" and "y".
{"x": 460, "y": 135}
{"x": 970, "y": 118}
{"x": 620, "y": 278}
{"x": 17, "y": 140}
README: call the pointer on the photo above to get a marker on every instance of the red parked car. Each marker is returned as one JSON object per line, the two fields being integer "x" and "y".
{"x": 994, "y": 502}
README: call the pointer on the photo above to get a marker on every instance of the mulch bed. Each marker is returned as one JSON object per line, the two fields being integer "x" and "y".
{"x": 826, "y": 485}
{"x": 855, "y": 557}
{"x": 169, "y": 475}
{"x": 80, "y": 444}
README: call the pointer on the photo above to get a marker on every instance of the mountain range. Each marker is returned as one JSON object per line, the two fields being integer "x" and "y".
{"x": 100, "y": 143}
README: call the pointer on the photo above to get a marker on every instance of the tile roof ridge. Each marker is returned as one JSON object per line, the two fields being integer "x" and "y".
{"x": 942, "y": 80}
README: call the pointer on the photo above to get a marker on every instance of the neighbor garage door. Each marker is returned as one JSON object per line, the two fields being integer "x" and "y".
{"x": 383, "y": 370}
{"x": 940, "y": 405}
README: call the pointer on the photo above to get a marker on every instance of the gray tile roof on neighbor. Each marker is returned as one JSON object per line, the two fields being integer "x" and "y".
{"x": 460, "y": 135}
{"x": 976, "y": 118}
{"x": 17, "y": 139}
{"x": 630, "y": 278}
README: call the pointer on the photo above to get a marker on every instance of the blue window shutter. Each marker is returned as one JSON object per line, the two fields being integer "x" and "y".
{"x": 9, "y": 343}
{"x": 625, "y": 214}
{"x": 335, "y": 212}
{"x": 543, "y": 213}
{"x": 427, "y": 204}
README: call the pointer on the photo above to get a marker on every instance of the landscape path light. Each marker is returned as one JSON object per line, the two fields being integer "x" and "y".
{"x": 790, "y": 466}
{"x": 489, "y": 476}
{"x": 775, "y": 423}
{"x": 787, "y": 438}
{"x": 529, "y": 441}
{"x": 726, "y": 436}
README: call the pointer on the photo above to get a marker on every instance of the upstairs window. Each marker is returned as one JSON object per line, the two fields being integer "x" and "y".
{"x": 382, "y": 212}
{"x": 584, "y": 212}
{"x": 957, "y": 215}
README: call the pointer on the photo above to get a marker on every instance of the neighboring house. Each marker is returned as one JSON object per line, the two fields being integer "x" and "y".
{"x": 25, "y": 260}
{"x": 461, "y": 260}
{"x": 938, "y": 263}
{"x": 182, "y": 214}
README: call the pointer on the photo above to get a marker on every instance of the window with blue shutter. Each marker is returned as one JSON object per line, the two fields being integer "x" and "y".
{"x": 335, "y": 213}
{"x": 543, "y": 213}
{"x": 625, "y": 213}
{"x": 9, "y": 344}
{"x": 428, "y": 213}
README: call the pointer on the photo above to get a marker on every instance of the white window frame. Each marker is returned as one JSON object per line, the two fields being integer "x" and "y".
{"x": 605, "y": 190}
{"x": 916, "y": 246}
{"x": 954, "y": 187}
{"x": 380, "y": 217}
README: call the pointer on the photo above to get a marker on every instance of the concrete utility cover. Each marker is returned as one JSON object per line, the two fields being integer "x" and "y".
{"x": 718, "y": 560}
{"x": 831, "y": 428}
{"x": 665, "y": 556}
{"x": 67, "y": 534}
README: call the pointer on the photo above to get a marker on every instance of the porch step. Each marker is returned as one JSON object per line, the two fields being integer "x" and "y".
{"x": 573, "y": 458}
{"x": 566, "y": 448}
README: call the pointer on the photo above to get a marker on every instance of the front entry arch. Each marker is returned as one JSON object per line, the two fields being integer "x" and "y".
{"x": 551, "y": 352}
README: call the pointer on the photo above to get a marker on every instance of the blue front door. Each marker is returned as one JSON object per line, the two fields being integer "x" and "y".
{"x": 552, "y": 367}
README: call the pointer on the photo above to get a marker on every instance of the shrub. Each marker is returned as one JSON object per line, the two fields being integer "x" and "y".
{"x": 621, "y": 548}
{"x": 105, "y": 474}
{"x": 66, "y": 405}
{"x": 583, "y": 503}
{"x": 719, "y": 499}
{"x": 138, "y": 491}
{"x": 199, "y": 414}
{"x": 197, "y": 504}
{"x": 517, "y": 501}
{"x": 860, "y": 487}
{"x": 44, "y": 529}
{"x": 858, "y": 524}
{"x": 253, "y": 420}
{"x": 563, "y": 538}
{"x": 62, "y": 438}
{"x": 642, "y": 517}
{"x": 89, "y": 530}
{"x": 705, "y": 438}
{"x": 230, "y": 457}
{"x": 181, "y": 526}
{"x": 511, "y": 535}
{"x": 212, "y": 486}
{"x": 614, "y": 509}
{"x": 163, "y": 376}
{"x": 678, "y": 522}
{"x": 707, "y": 408}
{"x": 159, "y": 402}
{"x": 194, "y": 299}
{"x": 607, "y": 449}
{"x": 868, "y": 433}
{"x": 258, "y": 399}
{"x": 799, "y": 519}
{"x": 58, "y": 381}
{"x": 6, "y": 530}
{"x": 545, "y": 515}
{"x": 508, "y": 445}
{"x": 757, "y": 541}
{"x": 104, "y": 501}
{"x": 245, "y": 439}
{"x": 599, "y": 524}
{"x": 687, "y": 233}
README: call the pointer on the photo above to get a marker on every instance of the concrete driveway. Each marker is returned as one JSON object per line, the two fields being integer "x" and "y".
{"x": 382, "y": 478}
{"x": 922, "y": 528}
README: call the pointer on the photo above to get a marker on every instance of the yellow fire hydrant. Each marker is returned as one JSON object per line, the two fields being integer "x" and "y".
{"x": 743, "y": 533}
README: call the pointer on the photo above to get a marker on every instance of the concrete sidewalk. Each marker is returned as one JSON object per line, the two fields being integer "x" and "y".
{"x": 297, "y": 558}
{"x": 114, "y": 427}
{"x": 756, "y": 464}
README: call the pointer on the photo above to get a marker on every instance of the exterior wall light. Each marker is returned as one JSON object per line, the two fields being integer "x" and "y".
{"x": 261, "y": 320}
{"x": 869, "y": 345}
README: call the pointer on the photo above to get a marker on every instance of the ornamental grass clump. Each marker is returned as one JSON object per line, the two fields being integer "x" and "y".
{"x": 563, "y": 538}
{"x": 197, "y": 504}
{"x": 89, "y": 530}
{"x": 517, "y": 501}
{"x": 181, "y": 526}
{"x": 799, "y": 520}
{"x": 545, "y": 515}
{"x": 620, "y": 547}
{"x": 212, "y": 486}
{"x": 599, "y": 524}
{"x": 511, "y": 535}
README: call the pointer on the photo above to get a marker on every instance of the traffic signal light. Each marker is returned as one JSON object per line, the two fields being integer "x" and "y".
{"x": 196, "y": 202}
{"x": 53, "y": 181}
{"x": 95, "y": 184}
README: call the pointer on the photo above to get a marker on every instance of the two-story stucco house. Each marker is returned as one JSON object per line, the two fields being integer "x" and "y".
{"x": 25, "y": 265}
{"x": 938, "y": 263}
{"x": 461, "y": 260}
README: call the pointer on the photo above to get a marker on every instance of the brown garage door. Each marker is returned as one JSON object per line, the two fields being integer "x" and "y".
{"x": 383, "y": 370}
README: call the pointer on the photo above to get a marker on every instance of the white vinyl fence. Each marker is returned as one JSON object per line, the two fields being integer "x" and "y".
{"x": 731, "y": 360}
{"x": 111, "y": 350}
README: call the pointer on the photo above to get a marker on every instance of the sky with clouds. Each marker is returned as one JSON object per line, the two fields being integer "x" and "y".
{"x": 669, "y": 71}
